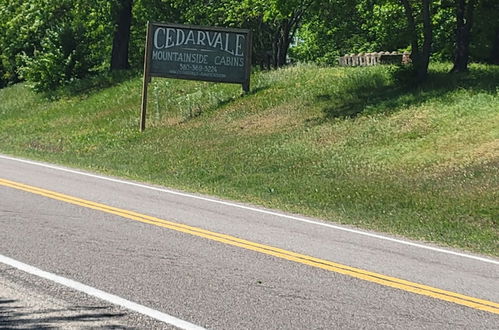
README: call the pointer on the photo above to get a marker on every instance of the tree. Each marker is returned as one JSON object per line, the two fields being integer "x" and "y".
{"x": 383, "y": 23}
{"x": 420, "y": 56}
{"x": 19, "y": 35}
{"x": 121, "y": 39}
{"x": 288, "y": 16}
{"x": 274, "y": 22}
{"x": 464, "y": 15}
{"x": 51, "y": 43}
{"x": 338, "y": 27}
{"x": 494, "y": 53}
{"x": 484, "y": 45}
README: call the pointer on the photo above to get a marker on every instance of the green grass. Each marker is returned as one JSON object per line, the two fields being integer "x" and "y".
{"x": 345, "y": 144}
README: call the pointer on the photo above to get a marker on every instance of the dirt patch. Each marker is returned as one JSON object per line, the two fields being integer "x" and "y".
{"x": 45, "y": 147}
{"x": 279, "y": 119}
{"x": 415, "y": 126}
{"x": 485, "y": 153}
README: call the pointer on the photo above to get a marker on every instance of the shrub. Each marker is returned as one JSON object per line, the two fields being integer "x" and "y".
{"x": 64, "y": 57}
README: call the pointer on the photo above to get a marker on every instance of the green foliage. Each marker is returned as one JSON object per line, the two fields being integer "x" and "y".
{"x": 19, "y": 32}
{"x": 53, "y": 42}
{"x": 486, "y": 25}
{"x": 444, "y": 30}
{"x": 334, "y": 30}
{"x": 383, "y": 22}
{"x": 62, "y": 58}
{"x": 74, "y": 37}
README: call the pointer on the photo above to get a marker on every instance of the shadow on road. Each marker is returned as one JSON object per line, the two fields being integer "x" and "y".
{"x": 15, "y": 316}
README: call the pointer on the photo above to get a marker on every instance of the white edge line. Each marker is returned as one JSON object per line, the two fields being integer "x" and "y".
{"x": 291, "y": 217}
{"x": 113, "y": 299}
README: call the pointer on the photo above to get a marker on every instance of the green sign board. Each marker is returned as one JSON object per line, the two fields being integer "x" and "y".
{"x": 196, "y": 53}
{"x": 189, "y": 52}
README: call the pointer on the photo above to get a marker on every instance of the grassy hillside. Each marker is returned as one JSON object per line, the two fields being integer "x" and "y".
{"x": 344, "y": 144}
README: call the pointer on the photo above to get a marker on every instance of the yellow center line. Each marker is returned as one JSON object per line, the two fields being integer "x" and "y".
{"x": 365, "y": 275}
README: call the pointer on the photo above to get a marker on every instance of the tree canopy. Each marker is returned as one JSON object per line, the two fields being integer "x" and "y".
{"x": 50, "y": 43}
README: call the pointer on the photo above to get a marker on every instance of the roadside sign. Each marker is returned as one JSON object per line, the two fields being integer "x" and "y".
{"x": 196, "y": 53}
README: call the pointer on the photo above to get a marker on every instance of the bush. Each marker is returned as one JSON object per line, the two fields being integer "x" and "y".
{"x": 64, "y": 57}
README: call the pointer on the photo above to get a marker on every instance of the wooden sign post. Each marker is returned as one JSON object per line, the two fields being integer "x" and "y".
{"x": 196, "y": 53}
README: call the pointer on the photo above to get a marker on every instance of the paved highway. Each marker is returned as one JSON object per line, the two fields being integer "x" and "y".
{"x": 78, "y": 249}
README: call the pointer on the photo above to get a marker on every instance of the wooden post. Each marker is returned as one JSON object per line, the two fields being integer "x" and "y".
{"x": 246, "y": 84}
{"x": 146, "y": 78}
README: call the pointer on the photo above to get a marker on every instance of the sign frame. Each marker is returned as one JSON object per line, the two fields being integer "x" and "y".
{"x": 148, "y": 54}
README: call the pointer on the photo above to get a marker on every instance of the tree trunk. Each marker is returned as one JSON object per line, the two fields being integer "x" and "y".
{"x": 121, "y": 39}
{"x": 285, "y": 33}
{"x": 424, "y": 61}
{"x": 283, "y": 44}
{"x": 411, "y": 25}
{"x": 464, "y": 15}
{"x": 275, "y": 50}
{"x": 494, "y": 55}
{"x": 420, "y": 58}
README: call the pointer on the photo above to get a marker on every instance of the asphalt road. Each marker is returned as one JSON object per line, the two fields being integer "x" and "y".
{"x": 211, "y": 281}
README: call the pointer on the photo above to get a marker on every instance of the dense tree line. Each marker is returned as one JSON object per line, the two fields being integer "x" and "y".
{"x": 51, "y": 43}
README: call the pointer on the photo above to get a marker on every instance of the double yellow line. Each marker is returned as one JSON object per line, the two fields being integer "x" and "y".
{"x": 365, "y": 275}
